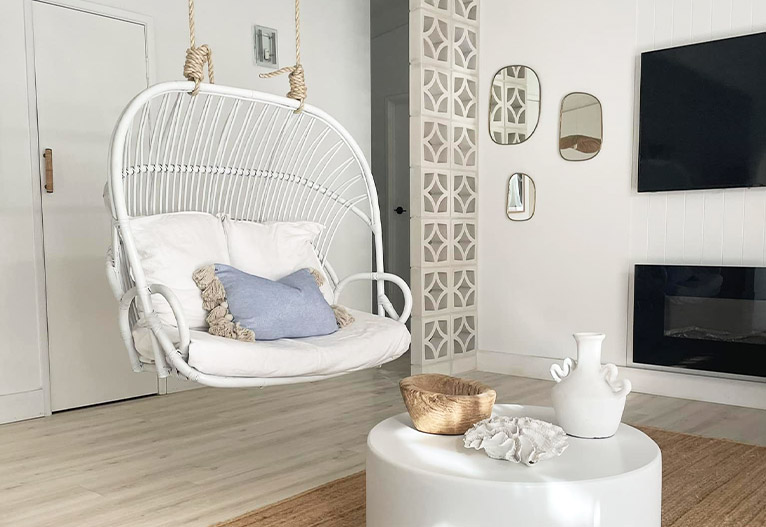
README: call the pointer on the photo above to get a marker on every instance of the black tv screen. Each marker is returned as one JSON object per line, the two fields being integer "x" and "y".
{"x": 702, "y": 117}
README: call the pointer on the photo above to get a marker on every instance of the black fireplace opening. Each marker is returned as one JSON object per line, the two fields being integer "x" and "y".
{"x": 705, "y": 318}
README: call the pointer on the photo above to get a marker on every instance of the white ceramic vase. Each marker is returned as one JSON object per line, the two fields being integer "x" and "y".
{"x": 588, "y": 398}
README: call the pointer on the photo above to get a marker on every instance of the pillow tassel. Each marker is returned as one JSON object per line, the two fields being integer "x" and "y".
{"x": 244, "y": 334}
{"x": 342, "y": 316}
{"x": 223, "y": 328}
{"x": 213, "y": 295}
{"x": 219, "y": 313}
{"x": 318, "y": 277}
{"x": 219, "y": 319}
{"x": 203, "y": 276}
{"x": 228, "y": 329}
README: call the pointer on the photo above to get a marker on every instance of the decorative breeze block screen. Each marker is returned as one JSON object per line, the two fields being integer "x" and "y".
{"x": 444, "y": 133}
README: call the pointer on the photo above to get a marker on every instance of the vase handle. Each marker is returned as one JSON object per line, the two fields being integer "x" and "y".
{"x": 558, "y": 373}
{"x": 619, "y": 388}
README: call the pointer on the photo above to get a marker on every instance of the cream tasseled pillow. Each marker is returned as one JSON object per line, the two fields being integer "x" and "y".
{"x": 275, "y": 249}
{"x": 171, "y": 247}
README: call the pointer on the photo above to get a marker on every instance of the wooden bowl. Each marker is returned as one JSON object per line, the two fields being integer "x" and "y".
{"x": 440, "y": 404}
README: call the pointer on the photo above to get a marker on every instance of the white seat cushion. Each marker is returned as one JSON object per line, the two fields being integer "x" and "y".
{"x": 371, "y": 340}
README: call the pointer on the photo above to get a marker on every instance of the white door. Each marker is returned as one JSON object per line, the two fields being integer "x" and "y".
{"x": 87, "y": 68}
{"x": 397, "y": 217}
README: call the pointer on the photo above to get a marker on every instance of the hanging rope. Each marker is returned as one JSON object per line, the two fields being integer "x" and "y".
{"x": 197, "y": 57}
{"x": 298, "y": 90}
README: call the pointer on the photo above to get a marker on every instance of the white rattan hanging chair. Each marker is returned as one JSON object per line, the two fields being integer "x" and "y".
{"x": 245, "y": 154}
{"x": 190, "y": 146}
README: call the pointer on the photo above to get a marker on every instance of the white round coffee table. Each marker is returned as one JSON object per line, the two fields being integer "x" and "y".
{"x": 422, "y": 480}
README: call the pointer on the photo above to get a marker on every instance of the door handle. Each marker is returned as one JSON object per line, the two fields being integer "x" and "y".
{"x": 400, "y": 210}
{"x": 48, "y": 155}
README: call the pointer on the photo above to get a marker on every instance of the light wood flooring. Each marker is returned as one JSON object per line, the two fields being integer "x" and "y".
{"x": 202, "y": 456}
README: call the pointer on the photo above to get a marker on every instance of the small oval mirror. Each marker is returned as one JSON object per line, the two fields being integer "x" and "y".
{"x": 522, "y": 196}
{"x": 514, "y": 105}
{"x": 580, "y": 127}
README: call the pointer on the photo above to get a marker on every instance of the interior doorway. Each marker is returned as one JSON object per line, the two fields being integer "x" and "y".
{"x": 79, "y": 92}
{"x": 389, "y": 50}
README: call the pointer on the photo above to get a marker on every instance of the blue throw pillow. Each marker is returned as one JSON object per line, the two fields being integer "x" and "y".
{"x": 291, "y": 307}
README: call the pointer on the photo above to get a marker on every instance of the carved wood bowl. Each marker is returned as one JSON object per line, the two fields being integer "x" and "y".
{"x": 440, "y": 404}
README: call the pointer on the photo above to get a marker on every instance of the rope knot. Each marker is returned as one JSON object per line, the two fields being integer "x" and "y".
{"x": 194, "y": 67}
{"x": 297, "y": 78}
{"x": 298, "y": 89}
{"x": 296, "y": 75}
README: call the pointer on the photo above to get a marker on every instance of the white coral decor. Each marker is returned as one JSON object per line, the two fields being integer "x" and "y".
{"x": 518, "y": 439}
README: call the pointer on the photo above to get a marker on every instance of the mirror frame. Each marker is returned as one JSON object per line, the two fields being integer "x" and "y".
{"x": 540, "y": 103}
{"x": 561, "y": 115}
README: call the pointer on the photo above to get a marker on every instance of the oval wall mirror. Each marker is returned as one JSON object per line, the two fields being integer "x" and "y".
{"x": 514, "y": 105}
{"x": 580, "y": 127}
{"x": 522, "y": 195}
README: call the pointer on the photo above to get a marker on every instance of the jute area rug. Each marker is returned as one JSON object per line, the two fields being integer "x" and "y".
{"x": 705, "y": 483}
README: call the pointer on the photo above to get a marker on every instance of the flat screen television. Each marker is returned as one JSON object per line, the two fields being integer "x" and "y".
{"x": 702, "y": 116}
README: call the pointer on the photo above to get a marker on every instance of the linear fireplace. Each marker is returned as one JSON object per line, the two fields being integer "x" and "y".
{"x": 711, "y": 319}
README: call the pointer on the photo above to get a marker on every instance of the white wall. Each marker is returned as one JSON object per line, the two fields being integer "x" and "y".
{"x": 568, "y": 269}
{"x": 336, "y": 57}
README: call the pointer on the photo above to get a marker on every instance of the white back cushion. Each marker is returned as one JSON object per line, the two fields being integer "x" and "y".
{"x": 273, "y": 250}
{"x": 171, "y": 247}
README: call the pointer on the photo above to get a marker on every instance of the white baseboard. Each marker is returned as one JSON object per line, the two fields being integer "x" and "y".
{"x": 20, "y": 406}
{"x": 443, "y": 367}
{"x": 447, "y": 367}
{"x": 670, "y": 384}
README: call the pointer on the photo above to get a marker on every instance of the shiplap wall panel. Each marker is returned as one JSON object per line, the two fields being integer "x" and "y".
{"x": 675, "y": 223}
{"x": 663, "y": 24}
{"x": 733, "y": 226}
{"x": 759, "y": 14}
{"x": 682, "y": 22}
{"x": 702, "y": 16}
{"x": 712, "y": 228}
{"x": 721, "y": 18}
{"x": 698, "y": 227}
{"x": 645, "y": 24}
{"x": 694, "y": 208}
{"x": 742, "y": 14}
{"x": 656, "y": 237}
{"x": 639, "y": 228}
{"x": 754, "y": 235}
